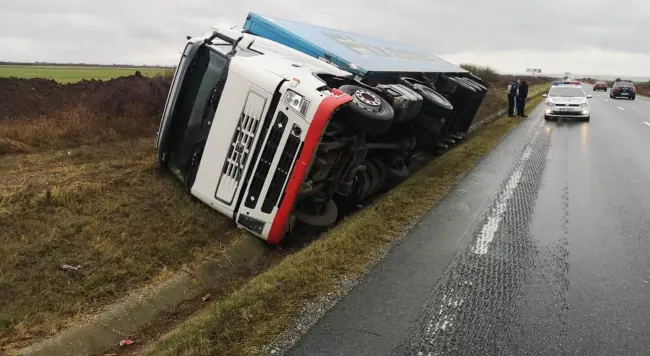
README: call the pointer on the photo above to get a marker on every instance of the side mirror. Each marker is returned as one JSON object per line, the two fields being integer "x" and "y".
{"x": 589, "y": 96}
{"x": 544, "y": 95}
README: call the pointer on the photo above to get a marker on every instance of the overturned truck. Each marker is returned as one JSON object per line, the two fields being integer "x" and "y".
{"x": 279, "y": 123}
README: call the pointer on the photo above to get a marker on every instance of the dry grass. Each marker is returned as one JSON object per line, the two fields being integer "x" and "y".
{"x": 497, "y": 80}
{"x": 70, "y": 128}
{"x": 643, "y": 89}
{"x": 496, "y": 100}
{"x": 254, "y": 315}
{"x": 104, "y": 207}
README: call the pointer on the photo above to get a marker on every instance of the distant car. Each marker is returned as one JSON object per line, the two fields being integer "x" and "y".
{"x": 600, "y": 85}
{"x": 567, "y": 101}
{"x": 623, "y": 89}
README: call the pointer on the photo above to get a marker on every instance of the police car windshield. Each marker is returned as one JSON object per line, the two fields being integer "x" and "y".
{"x": 571, "y": 92}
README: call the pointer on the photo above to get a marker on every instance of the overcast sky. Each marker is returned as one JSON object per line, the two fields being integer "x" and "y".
{"x": 580, "y": 36}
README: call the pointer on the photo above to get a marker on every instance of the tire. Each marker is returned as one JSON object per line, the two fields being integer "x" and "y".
{"x": 364, "y": 184}
{"x": 375, "y": 177}
{"x": 471, "y": 83}
{"x": 586, "y": 119}
{"x": 632, "y": 97}
{"x": 477, "y": 84}
{"x": 326, "y": 218}
{"x": 455, "y": 87}
{"x": 396, "y": 175}
{"x": 434, "y": 104}
{"x": 369, "y": 112}
{"x": 381, "y": 169}
{"x": 431, "y": 124}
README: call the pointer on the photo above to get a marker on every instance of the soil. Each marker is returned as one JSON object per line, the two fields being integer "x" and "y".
{"x": 124, "y": 96}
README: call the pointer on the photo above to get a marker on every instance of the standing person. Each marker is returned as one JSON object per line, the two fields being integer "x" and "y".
{"x": 521, "y": 98}
{"x": 512, "y": 96}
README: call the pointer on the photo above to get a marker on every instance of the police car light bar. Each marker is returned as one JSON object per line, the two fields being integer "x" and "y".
{"x": 563, "y": 82}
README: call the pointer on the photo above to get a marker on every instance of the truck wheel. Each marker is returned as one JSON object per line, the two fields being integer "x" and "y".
{"x": 325, "y": 216}
{"x": 434, "y": 103}
{"x": 370, "y": 112}
{"x": 381, "y": 170}
{"x": 431, "y": 124}
{"x": 375, "y": 177}
{"x": 397, "y": 175}
{"x": 476, "y": 84}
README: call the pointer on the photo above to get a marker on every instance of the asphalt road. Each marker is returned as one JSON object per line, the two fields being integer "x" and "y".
{"x": 544, "y": 249}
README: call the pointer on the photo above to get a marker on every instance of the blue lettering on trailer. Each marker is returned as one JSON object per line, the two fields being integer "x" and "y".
{"x": 356, "y": 53}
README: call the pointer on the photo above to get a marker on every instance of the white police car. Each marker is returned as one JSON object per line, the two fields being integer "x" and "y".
{"x": 567, "y": 100}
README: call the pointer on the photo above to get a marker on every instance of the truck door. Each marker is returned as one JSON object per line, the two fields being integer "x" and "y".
{"x": 194, "y": 110}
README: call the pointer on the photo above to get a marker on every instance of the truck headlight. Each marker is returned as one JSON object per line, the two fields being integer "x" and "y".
{"x": 584, "y": 105}
{"x": 548, "y": 103}
{"x": 297, "y": 102}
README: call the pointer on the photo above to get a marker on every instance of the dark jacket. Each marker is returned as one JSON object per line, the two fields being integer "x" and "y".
{"x": 523, "y": 90}
{"x": 513, "y": 88}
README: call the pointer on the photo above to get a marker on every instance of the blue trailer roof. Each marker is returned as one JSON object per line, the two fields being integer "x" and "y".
{"x": 356, "y": 53}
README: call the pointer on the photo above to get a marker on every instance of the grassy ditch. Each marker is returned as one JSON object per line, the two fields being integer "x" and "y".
{"x": 104, "y": 208}
{"x": 251, "y": 317}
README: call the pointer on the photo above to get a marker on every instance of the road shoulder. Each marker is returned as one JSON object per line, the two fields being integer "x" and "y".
{"x": 375, "y": 316}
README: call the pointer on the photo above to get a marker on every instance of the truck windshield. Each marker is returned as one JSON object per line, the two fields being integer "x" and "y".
{"x": 196, "y": 105}
{"x": 567, "y": 92}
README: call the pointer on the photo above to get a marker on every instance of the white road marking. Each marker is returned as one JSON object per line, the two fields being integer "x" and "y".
{"x": 647, "y": 123}
{"x": 494, "y": 218}
{"x": 606, "y": 100}
{"x": 620, "y": 108}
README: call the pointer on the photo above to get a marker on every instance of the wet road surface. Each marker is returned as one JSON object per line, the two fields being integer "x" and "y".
{"x": 543, "y": 249}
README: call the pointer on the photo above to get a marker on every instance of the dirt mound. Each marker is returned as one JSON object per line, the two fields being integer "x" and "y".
{"x": 133, "y": 95}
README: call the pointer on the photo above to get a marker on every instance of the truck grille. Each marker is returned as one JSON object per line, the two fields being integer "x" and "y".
{"x": 266, "y": 158}
{"x": 240, "y": 146}
{"x": 283, "y": 170}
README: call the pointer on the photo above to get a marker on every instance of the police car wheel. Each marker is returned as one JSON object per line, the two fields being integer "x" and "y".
{"x": 368, "y": 111}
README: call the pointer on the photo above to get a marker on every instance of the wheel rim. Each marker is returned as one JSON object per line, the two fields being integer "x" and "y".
{"x": 367, "y": 100}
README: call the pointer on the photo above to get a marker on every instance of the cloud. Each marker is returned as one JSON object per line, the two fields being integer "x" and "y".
{"x": 509, "y": 35}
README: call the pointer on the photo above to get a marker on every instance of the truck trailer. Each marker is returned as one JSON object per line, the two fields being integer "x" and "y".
{"x": 278, "y": 123}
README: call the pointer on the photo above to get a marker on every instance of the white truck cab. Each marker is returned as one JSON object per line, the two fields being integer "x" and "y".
{"x": 231, "y": 109}
{"x": 268, "y": 135}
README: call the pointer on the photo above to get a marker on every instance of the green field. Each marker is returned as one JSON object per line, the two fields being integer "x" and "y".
{"x": 65, "y": 74}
